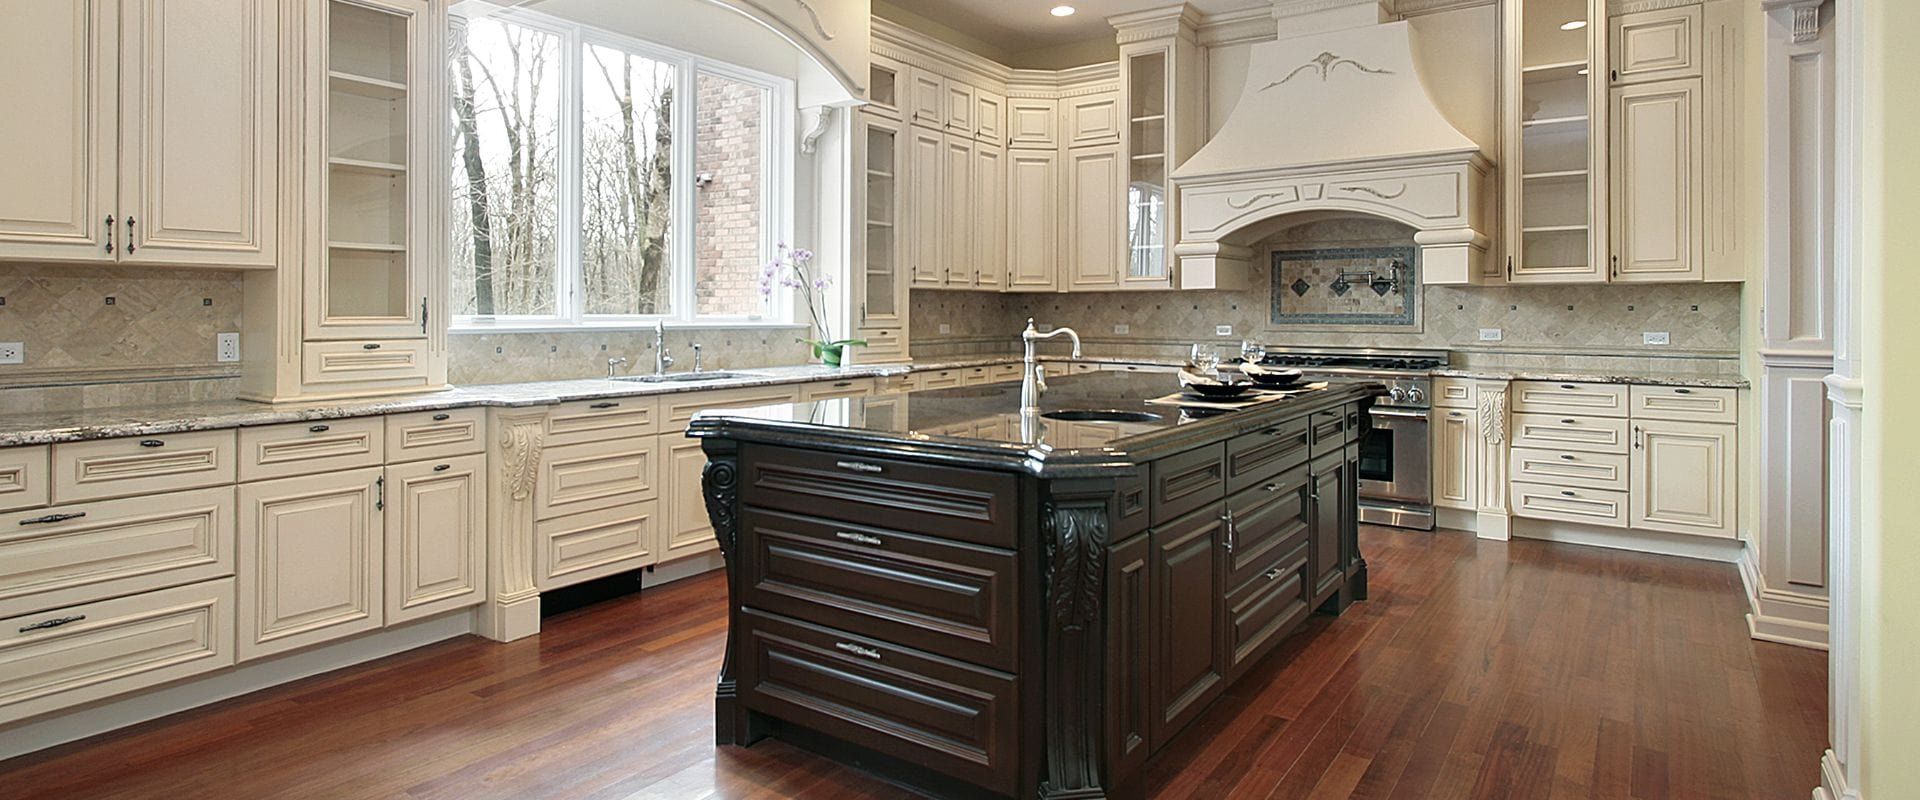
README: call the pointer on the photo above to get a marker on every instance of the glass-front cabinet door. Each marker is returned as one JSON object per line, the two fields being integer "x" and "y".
{"x": 883, "y": 287}
{"x": 1555, "y": 165}
{"x": 1146, "y": 78}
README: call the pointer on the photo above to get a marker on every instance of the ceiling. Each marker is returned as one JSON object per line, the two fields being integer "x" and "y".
{"x": 1025, "y": 25}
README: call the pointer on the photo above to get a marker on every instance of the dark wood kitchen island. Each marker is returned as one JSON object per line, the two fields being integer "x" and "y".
{"x": 979, "y": 602}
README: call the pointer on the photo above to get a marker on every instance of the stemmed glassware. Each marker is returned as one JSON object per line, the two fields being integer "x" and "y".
{"x": 1204, "y": 359}
{"x": 1251, "y": 351}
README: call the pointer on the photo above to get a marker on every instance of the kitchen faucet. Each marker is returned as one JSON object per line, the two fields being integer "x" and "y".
{"x": 613, "y": 363}
{"x": 661, "y": 361}
{"x": 1033, "y": 376}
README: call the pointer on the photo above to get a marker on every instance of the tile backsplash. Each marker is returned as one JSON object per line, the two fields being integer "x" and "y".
{"x": 99, "y": 324}
{"x": 481, "y": 358}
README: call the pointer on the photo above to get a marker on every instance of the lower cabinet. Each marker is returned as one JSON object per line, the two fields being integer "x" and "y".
{"x": 436, "y": 521}
{"x": 1684, "y": 477}
{"x": 310, "y": 560}
{"x": 1186, "y": 576}
{"x": 1330, "y": 516}
{"x": 686, "y": 530}
{"x": 1456, "y": 458}
{"x": 582, "y": 547}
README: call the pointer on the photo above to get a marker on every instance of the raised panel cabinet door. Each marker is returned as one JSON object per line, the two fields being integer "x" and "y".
{"x": 1329, "y": 520}
{"x": 1093, "y": 119}
{"x": 198, "y": 132}
{"x": 959, "y": 109}
{"x": 880, "y": 284}
{"x": 958, "y": 244}
{"x": 928, "y": 100}
{"x": 1189, "y": 664}
{"x": 61, "y": 62}
{"x": 1033, "y": 209}
{"x": 1130, "y": 633}
{"x": 1655, "y": 45}
{"x": 1456, "y": 459}
{"x": 1093, "y": 218}
{"x": 989, "y": 216}
{"x": 688, "y": 531}
{"x": 1684, "y": 477}
{"x": 1658, "y": 187}
{"x": 989, "y": 116}
{"x": 436, "y": 523}
{"x": 1033, "y": 123}
{"x": 310, "y": 560}
{"x": 925, "y": 206}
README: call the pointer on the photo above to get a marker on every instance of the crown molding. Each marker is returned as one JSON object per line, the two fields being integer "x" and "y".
{"x": 911, "y": 47}
{"x": 1618, "y": 7}
{"x": 1415, "y": 8}
{"x": 1238, "y": 27}
{"x": 1156, "y": 23}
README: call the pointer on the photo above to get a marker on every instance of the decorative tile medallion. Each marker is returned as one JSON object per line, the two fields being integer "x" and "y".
{"x": 1320, "y": 287}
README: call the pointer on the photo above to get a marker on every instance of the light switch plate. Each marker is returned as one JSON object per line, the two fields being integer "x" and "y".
{"x": 1491, "y": 334}
{"x": 1223, "y": 330}
{"x": 1656, "y": 338}
{"x": 226, "y": 347}
{"x": 1122, "y": 329}
{"x": 13, "y": 353}
{"x": 945, "y": 328}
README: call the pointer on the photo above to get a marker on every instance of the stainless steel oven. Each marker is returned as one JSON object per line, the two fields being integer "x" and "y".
{"x": 1395, "y": 484}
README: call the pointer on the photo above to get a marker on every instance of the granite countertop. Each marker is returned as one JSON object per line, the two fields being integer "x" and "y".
{"x": 1712, "y": 380}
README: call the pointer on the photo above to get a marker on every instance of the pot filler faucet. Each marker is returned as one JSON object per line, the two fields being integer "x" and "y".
{"x": 1033, "y": 378}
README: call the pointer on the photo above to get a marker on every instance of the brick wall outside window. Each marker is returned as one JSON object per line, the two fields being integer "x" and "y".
{"x": 727, "y": 226}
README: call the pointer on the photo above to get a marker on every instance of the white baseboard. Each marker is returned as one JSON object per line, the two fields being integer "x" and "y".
{"x": 685, "y": 568}
{"x": 113, "y": 714}
{"x": 1833, "y": 781}
{"x": 1657, "y": 543}
{"x": 1781, "y": 617}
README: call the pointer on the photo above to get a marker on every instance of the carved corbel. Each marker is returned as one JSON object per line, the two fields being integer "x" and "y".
{"x": 1073, "y": 540}
{"x": 513, "y": 605}
{"x": 720, "y": 484}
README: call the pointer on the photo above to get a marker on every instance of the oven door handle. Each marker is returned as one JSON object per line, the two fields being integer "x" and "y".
{"x": 1401, "y": 413}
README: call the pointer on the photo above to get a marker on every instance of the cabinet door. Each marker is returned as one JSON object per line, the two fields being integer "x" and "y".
{"x": 1657, "y": 183}
{"x": 957, "y": 187}
{"x": 1456, "y": 459}
{"x": 1684, "y": 477}
{"x": 1033, "y": 213}
{"x": 1189, "y": 656}
{"x": 436, "y": 524}
{"x": 989, "y": 216}
{"x": 1092, "y": 119}
{"x": 57, "y": 183}
{"x": 1655, "y": 45}
{"x": 1332, "y": 516}
{"x": 882, "y": 287}
{"x": 959, "y": 109}
{"x": 687, "y": 530}
{"x": 989, "y": 117}
{"x": 1033, "y": 123}
{"x": 198, "y": 132}
{"x": 1130, "y": 640}
{"x": 925, "y": 204}
{"x": 928, "y": 99}
{"x": 1093, "y": 218}
{"x": 310, "y": 560}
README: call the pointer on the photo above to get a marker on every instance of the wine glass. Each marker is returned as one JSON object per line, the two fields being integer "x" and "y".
{"x": 1252, "y": 352}
{"x": 1205, "y": 360}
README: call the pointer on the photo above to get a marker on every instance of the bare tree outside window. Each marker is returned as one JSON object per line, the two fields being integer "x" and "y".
{"x": 626, "y": 159}
{"x": 506, "y": 108}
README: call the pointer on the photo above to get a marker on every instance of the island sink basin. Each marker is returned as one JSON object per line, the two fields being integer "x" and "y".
{"x": 685, "y": 377}
{"x": 1100, "y": 415}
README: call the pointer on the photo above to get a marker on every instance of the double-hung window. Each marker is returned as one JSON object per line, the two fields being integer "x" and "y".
{"x": 599, "y": 180}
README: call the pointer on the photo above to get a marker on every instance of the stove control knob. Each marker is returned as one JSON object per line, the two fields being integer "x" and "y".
{"x": 1398, "y": 395}
{"x": 1416, "y": 396}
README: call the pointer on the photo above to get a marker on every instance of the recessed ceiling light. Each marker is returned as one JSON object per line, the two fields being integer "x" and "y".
{"x": 1574, "y": 25}
{"x": 1062, "y": 11}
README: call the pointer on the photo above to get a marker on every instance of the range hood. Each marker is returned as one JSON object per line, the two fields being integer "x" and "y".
{"x": 1334, "y": 118}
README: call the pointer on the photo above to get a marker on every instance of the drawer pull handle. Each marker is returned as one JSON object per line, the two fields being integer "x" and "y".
{"x": 1566, "y": 456}
{"x": 442, "y": 417}
{"x": 52, "y": 518}
{"x": 859, "y": 466}
{"x": 443, "y": 468}
{"x": 861, "y": 538}
{"x": 1568, "y": 494}
{"x": 863, "y": 652}
{"x": 369, "y": 347}
{"x": 1455, "y": 414}
{"x": 598, "y": 406}
{"x": 843, "y": 384}
{"x": 1568, "y": 386}
{"x": 1569, "y": 421}
{"x": 1271, "y": 487}
{"x": 1683, "y": 391}
{"x": 51, "y": 623}
{"x": 152, "y": 443}
{"x": 1273, "y": 574}
{"x": 319, "y": 429}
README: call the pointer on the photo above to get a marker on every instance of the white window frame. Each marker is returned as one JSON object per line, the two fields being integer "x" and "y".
{"x": 776, "y": 199}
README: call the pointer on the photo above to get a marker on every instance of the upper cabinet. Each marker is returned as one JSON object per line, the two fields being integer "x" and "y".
{"x": 153, "y": 132}
{"x": 1555, "y": 160}
{"x": 1163, "y": 91}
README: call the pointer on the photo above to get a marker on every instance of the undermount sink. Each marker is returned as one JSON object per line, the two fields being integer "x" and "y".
{"x": 1100, "y": 415}
{"x": 685, "y": 377}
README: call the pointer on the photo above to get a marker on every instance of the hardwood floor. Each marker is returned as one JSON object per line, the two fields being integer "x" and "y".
{"x": 1477, "y": 669}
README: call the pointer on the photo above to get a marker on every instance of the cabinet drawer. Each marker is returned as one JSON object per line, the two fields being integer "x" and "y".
{"x": 23, "y": 478}
{"x": 1003, "y": 373}
{"x": 828, "y": 390}
{"x": 1266, "y": 609}
{"x": 1583, "y": 434}
{"x": 680, "y": 408}
{"x": 585, "y": 477}
{"x": 81, "y": 653}
{"x": 1332, "y": 430}
{"x": 939, "y": 379}
{"x": 585, "y": 421}
{"x": 82, "y": 553}
{"x": 1685, "y": 403}
{"x": 976, "y": 376}
{"x": 950, "y": 598}
{"x": 883, "y": 345}
{"x": 1185, "y": 482}
{"x": 966, "y": 505}
{"x": 1255, "y": 457}
{"x": 1567, "y": 468}
{"x": 306, "y": 448}
{"x": 596, "y": 544}
{"x": 436, "y": 434}
{"x": 948, "y": 717}
{"x": 1591, "y": 506}
{"x": 1268, "y": 521}
{"x": 147, "y": 465}
{"x": 1656, "y": 45}
{"x": 1588, "y": 399}
{"x": 1455, "y": 393}
{"x": 346, "y": 366}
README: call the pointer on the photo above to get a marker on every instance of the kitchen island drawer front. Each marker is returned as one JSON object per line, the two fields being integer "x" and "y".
{"x": 589, "y": 477}
{"x": 56, "y": 659}
{"x": 596, "y": 544}
{"x": 1591, "y": 506}
{"x": 1253, "y": 459}
{"x": 951, "y": 718}
{"x": 1580, "y": 434}
{"x": 678, "y": 409}
{"x": 966, "y": 505}
{"x": 81, "y": 553}
{"x": 23, "y": 478}
{"x": 106, "y": 468}
{"x": 436, "y": 434}
{"x": 1548, "y": 397}
{"x": 1686, "y": 403}
{"x": 1568, "y": 468}
{"x": 1333, "y": 430}
{"x": 948, "y": 598}
{"x": 587, "y": 421}
{"x": 306, "y": 448}
{"x": 1265, "y": 610}
{"x": 1181, "y": 483}
{"x": 1269, "y": 520}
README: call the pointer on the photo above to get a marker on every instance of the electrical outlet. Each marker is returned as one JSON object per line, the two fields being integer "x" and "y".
{"x": 1223, "y": 330}
{"x": 1656, "y": 338}
{"x": 1491, "y": 334}
{"x": 1122, "y": 329}
{"x": 13, "y": 353}
{"x": 226, "y": 347}
{"x": 945, "y": 328}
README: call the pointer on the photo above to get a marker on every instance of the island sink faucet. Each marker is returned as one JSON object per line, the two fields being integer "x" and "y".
{"x": 1033, "y": 377}
{"x": 661, "y": 361}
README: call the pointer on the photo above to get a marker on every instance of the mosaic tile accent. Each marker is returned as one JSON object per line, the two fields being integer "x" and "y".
{"x": 1329, "y": 297}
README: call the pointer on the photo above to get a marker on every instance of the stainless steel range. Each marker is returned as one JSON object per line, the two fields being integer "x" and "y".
{"x": 1395, "y": 470}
